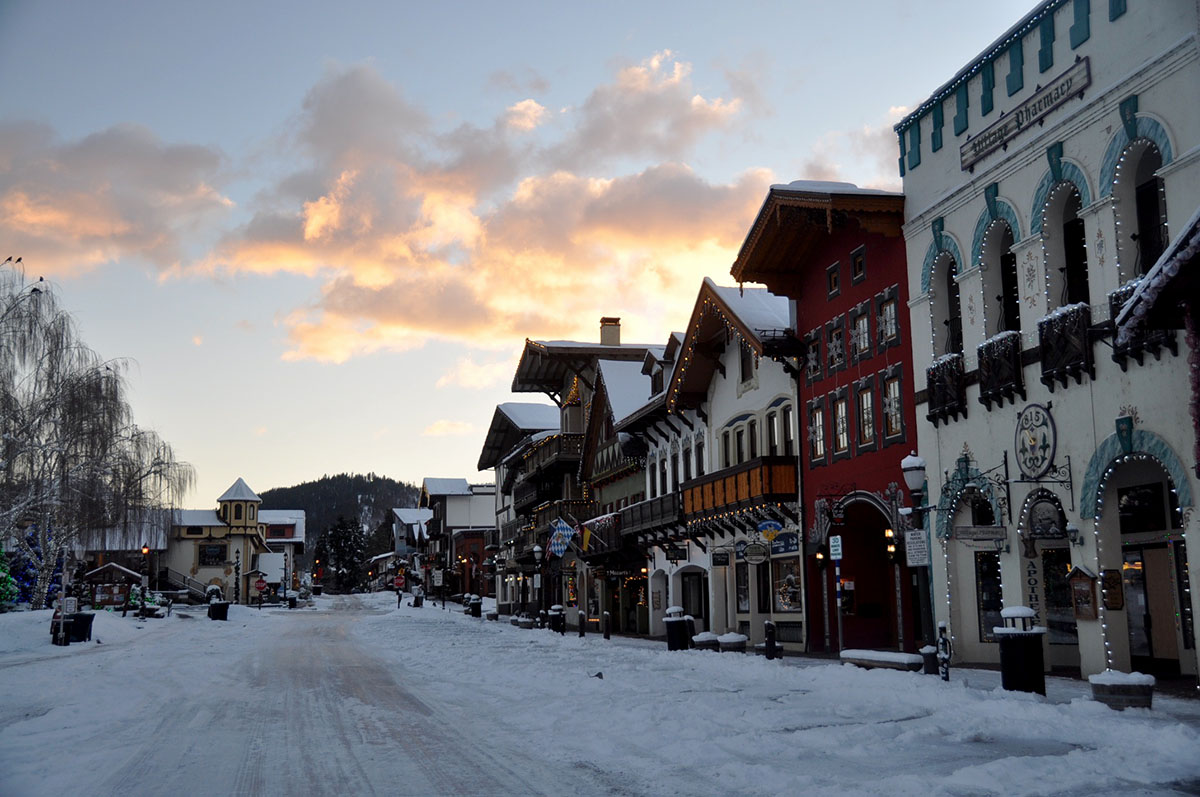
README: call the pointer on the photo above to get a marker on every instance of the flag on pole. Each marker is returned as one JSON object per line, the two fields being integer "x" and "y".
{"x": 587, "y": 536}
{"x": 561, "y": 537}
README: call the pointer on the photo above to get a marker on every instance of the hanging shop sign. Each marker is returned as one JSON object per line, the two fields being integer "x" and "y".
{"x": 674, "y": 553}
{"x": 720, "y": 558}
{"x": 1035, "y": 441}
{"x": 1070, "y": 83}
{"x": 787, "y": 542}
{"x": 769, "y": 529}
{"x": 756, "y": 553}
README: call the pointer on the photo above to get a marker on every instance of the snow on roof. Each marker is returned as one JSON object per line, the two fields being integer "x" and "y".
{"x": 411, "y": 514}
{"x": 446, "y": 487}
{"x": 628, "y": 388}
{"x": 757, "y": 308}
{"x": 382, "y": 556}
{"x": 197, "y": 517}
{"x": 283, "y": 517}
{"x": 114, "y": 566}
{"x": 1183, "y": 249}
{"x": 531, "y": 417}
{"x": 829, "y": 187}
{"x": 239, "y": 491}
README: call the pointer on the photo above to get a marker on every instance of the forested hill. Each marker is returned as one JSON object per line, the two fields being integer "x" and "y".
{"x": 368, "y": 499}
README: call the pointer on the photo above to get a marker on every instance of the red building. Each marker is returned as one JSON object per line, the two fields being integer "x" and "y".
{"x": 837, "y": 251}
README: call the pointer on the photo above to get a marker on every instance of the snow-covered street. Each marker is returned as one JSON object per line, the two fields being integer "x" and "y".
{"x": 357, "y": 697}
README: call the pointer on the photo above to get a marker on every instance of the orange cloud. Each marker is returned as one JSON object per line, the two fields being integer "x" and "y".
{"x": 447, "y": 428}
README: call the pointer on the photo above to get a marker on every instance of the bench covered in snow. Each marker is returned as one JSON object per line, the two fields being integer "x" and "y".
{"x": 888, "y": 659}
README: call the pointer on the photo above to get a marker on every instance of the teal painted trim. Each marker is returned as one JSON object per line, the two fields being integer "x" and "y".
{"x": 1003, "y": 211}
{"x": 986, "y": 94}
{"x": 1016, "y": 67}
{"x": 931, "y": 255}
{"x": 903, "y": 150}
{"x": 1146, "y": 128}
{"x": 1116, "y": 8}
{"x": 935, "y": 137}
{"x": 961, "y": 101}
{"x": 1109, "y": 451}
{"x": 1046, "y": 52}
{"x": 952, "y": 493}
{"x": 1070, "y": 174}
{"x": 914, "y": 145}
{"x": 1081, "y": 31}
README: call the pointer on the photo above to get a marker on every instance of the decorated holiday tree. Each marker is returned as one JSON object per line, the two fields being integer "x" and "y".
{"x": 8, "y": 585}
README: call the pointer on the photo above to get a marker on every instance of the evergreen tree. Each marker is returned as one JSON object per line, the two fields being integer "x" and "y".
{"x": 8, "y": 584}
{"x": 342, "y": 551}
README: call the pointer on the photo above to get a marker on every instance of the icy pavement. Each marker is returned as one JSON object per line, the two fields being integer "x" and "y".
{"x": 357, "y": 697}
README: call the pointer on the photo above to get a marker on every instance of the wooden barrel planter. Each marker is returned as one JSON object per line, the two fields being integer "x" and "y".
{"x": 1122, "y": 690}
{"x": 705, "y": 640}
{"x": 732, "y": 643}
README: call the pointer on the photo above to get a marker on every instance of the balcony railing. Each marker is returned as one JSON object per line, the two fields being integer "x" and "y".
{"x": 1066, "y": 345}
{"x": 656, "y": 513}
{"x": 1000, "y": 374}
{"x": 947, "y": 386}
{"x": 525, "y": 495}
{"x": 1140, "y": 340}
{"x": 561, "y": 448}
{"x": 753, "y": 483}
{"x": 545, "y": 514}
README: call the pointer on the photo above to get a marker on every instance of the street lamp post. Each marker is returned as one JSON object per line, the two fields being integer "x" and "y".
{"x": 237, "y": 576}
{"x": 913, "y": 468}
{"x": 538, "y": 554}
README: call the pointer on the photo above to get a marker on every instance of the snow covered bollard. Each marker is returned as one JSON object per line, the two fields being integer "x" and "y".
{"x": 1122, "y": 690}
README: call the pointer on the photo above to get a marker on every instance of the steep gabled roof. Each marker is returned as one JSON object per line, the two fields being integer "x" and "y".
{"x": 284, "y": 517}
{"x": 445, "y": 487}
{"x": 718, "y": 311}
{"x": 546, "y": 364}
{"x": 511, "y": 423}
{"x": 239, "y": 491}
{"x": 794, "y": 217}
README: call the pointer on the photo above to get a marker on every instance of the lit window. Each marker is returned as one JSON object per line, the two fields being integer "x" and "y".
{"x": 862, "y": 336}
{"x": 866, "y": 417}
{"x": 841, "y": 426}
{"x": 816, "y": 432}
{"x": 833, "y": 282}
{"x": 858, "y": 265}
{"x": 892, "y": 407}
{"x": 888, "y": 329}
{"x": 789, "y": 444}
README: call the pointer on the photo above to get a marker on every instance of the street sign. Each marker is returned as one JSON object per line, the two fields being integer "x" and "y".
{"x": 399, "y": 581}
{"x": 835, "y": 547}
{"x": 916, "y": 547}
{"x": 756, "y": 553}
{"x": 260, "y": 585}
{"x": 437, "y": 578}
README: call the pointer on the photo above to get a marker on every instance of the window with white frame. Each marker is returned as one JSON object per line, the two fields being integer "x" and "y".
{"x": 788, "y": 430}
{"x": 740, "y": 437}
{"x": 889, "y": 329}
{"x": 841, "y": 425}
{"x": 687, "y": 463}
{"x": 699, "y": 458}
{"x": 726, "y": 452}
{"x": 892, "y": 407}
{"x": 816, "y": 431}
{"x": 866, "y": 416}
{"x": 772, "y": 434}
{"x": 861, "y": 336}
{"x": 752, "y": 435}
{"x": 837, "y": 349}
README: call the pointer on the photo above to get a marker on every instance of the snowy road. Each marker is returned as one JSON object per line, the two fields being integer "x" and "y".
{"x": 356, "y": 697}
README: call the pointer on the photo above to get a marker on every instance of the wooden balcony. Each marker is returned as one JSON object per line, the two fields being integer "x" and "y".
{"x": 754, "y": 483}
{"x": 525, "y": 495}
{"x": 559, "y": 449}
{"x": 1064, "y": 338}
{"x": 947, "y": 386}
{"x": 652, "y": 515}
{"x": 1000, "y": 372}
{"x": 568, "y": 510}
{"x": 1141, "y": 341}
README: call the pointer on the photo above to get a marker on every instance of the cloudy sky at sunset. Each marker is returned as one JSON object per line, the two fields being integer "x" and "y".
{"x": 322, "y": 231}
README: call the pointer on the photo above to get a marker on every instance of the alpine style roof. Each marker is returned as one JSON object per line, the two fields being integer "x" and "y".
{"x": 546, "y": 364}
{"x": 197, "y": 517}
{"x": 718, "y": 311}
{"x": 283, "y": 517}
{"x": 239, "y": 491}
{"x": 445, "y": 487}
{"x": 625, "y": 385}
{"x": 511, "y": 422}
{"x": 794, "y": 217}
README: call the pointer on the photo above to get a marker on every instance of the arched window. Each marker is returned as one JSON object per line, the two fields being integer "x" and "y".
{"x": 1141, "y": 207}
{"x": 1001, "y": 298}
{"x": 1066, "y": 247}
{"x": 947, "y": 307}
{"x": 237, "y": 511}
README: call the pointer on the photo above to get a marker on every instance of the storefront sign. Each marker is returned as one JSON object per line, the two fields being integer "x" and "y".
{"x": 1069, "y": 84}
{"x": 720, "y": 558}
{"x": 770, "y": 529}
{"x": 980, "y": 533}
{"x": 674, "y": 553}
{"x": 916, "y": 547}
{"x": 756, "y": 553}
{"x": 787, "y": 542}
{"x": 1033, "y": 589}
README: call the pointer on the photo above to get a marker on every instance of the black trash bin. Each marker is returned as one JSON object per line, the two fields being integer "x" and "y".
{"x": 291, "y": 601}
{"x": 81, "y": 626}
{"x": 60, "y": 629}
{"x": 677, "y": 633}
{"x": 317, "y": 589}
{"x": 929, "y": 660}
{"x": 418, "y": 600}
{"x": 218, "y": 610}
{"x": 558, "y": 622}
{"x": 1022, "y": 666}
{"x": 476, "y": 607}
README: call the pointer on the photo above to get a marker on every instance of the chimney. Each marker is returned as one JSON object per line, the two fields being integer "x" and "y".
{"x": 610, "y": 331}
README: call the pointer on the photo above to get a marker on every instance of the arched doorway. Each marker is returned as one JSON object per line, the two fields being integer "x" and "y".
{"x": 879, "y": 598}
{"x": 1001, "y": 297}
{"x": 689, "y": 589}
{"x": 1140, "y": 524}
{"x": 1045, "y": 562}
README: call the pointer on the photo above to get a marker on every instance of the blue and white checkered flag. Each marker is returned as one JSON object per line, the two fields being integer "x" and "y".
{"x": 561, "y": 537}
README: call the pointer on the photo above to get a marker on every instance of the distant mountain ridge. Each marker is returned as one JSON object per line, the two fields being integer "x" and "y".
{"x": 368, "y": 499}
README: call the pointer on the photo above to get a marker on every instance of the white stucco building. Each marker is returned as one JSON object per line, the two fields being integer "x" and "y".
{"x": 1041, "y": 182}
